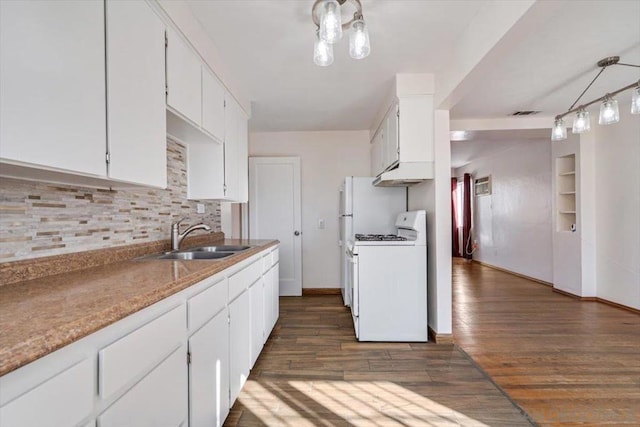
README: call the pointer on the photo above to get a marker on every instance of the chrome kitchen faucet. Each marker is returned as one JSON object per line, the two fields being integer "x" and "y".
{"x": 177, "y": 237}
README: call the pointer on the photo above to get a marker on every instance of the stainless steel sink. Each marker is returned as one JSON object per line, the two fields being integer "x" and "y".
{"x": 191, "y": 255}
{"x": 223, "y": 248}
{"x": 200, "y": 253}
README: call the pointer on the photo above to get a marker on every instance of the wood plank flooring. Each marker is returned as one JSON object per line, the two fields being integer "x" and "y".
{"x": 564, "y": 361}
{"x": 313, "y": 372}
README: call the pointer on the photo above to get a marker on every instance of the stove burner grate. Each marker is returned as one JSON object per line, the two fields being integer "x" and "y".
{"x": 379, "y": 237}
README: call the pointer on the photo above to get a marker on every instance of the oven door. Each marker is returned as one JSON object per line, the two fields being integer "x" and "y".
{"x": 353, "y": 281}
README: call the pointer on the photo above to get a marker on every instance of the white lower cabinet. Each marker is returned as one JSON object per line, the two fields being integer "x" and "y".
{"x": 256, "y": 292}
{"x": 62, "y": 399}
{"x": 209, "y": 373}
{"x": 239, "y": 343}
{"x": 180, "y": 362}
{"x": 159, "y": 399}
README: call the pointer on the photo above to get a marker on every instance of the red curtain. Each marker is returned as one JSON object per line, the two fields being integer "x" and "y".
{"x": 466, "y": 220}
{"x": 455, "y": 247}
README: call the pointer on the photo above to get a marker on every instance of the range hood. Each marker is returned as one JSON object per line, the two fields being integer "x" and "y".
{"x": 404, "y": 174}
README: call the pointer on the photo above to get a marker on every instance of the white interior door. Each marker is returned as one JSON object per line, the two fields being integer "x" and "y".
{"x": 274, "y": 213}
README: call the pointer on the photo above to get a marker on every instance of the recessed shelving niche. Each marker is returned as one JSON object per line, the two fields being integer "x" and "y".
{"x": 566, "y": 193}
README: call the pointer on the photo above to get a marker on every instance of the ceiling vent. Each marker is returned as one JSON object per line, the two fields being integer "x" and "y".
{"x": 525, "y": 113}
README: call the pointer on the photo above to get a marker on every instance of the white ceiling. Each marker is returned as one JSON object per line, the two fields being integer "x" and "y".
{"x": 268, "y": 44}
{"x": 486, "y": 143}
{"x": 551, "y": 67}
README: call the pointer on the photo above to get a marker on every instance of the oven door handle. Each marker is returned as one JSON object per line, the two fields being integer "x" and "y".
{"x": 355, "y": 285}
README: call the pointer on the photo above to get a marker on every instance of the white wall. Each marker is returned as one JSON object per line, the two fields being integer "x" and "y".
{"x": 617, "y": 218}
{"x": 434, "y": 196}
{"x": 325, "y": 159}
{"x": 513, "y": 225}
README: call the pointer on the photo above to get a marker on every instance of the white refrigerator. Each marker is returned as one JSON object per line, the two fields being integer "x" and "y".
{"x": 365, "y": 209}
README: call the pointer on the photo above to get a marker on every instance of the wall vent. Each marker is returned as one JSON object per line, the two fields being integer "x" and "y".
{"x": 525, "y": 113}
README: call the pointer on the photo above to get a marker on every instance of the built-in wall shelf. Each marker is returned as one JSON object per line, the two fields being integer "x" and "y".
{"x": 566, "y": 193}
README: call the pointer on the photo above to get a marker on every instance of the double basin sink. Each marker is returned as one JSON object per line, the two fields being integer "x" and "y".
{"x": 200, "y": 253}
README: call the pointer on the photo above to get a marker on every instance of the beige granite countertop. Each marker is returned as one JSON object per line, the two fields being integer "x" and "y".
{"x": 42, "y": 315}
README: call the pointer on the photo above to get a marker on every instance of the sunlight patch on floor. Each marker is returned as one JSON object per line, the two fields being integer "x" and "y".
{"x": 358, "y": 403}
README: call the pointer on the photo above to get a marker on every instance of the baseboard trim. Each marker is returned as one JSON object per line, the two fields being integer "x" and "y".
{"x": 320, "y": 291}
{"x": 598, "y": 299}
{"x": 524, "y": 276}
{"x": 440, "y": 338}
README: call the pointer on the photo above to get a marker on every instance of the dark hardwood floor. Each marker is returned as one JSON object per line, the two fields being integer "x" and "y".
{"x": 313, "y": 372}
{"x": 564, "y": 361}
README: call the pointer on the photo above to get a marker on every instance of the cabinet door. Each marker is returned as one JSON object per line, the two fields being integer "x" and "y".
{"x": 376, "y": 152}
{"x": 136, "y": 99}
{"x": 267, "y": 299}
{"x": 242, "y": 156}
{"x": 276, "y": 295}
{"x": 212, "y": 105}
{"x": 231, "y": 145}
{"x": 391, "y": 155}
{"x": 209, "y": 373}
{"x": 256, "y": 292}
{"x": 184, "y": 79}
{"x": 52, "y": 75}
{"x": 159, "y": 399}
{"x": 240, "y": 347}
{"x": 205, "y": 171}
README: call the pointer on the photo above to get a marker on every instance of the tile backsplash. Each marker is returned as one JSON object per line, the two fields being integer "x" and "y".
{"x": 41, "y": 219}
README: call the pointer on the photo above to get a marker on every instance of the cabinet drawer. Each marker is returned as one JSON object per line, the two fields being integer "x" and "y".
{"x": 244, "y": 278}
{"x": 207, "y": 303}
{"x": 63, "y": 400}
{"x": 270, "y": 260}
{"x": 138, "y": 352}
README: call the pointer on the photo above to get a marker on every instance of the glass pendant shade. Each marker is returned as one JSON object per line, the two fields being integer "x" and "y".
{"x": 559, "y": 131}
{"x": 330, "y": 21}
{"x": 359, "y": 46}
{"x": 322, "y": 52}
{"x": 609, "y": 112}
{"x": 635, "y": 101}
{"x": 582, "y": 122}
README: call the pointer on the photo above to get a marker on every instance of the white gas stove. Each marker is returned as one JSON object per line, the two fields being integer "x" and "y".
{"x": 388, "y": 282}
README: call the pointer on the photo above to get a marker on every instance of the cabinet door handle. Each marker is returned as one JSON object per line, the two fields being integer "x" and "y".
{"x": 296, "y": 233}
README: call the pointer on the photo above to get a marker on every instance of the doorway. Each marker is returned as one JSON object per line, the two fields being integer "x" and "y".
{"x": 274, "y": 213}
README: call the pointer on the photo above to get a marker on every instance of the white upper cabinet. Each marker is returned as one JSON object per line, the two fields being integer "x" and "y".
{"x": 231, "y": 172}
{"x": 243, "y": 158}
{"x": 184, "y": 79}
{"x": 52, "y": 79}
{"x": 377, "y": 148}
{"x": 391, "y": 154}
{"x": 212, "y": 105}
{"x": 236, "y": 171}
{"x": 135, "y": 94}
{"x": 205, "y": 171}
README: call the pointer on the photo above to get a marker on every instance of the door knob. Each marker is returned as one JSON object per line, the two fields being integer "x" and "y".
{"x": 296, "y": 233}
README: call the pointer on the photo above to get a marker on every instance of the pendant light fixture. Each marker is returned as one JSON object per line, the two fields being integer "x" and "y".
{"x": 327, "y": 17}
{"x": 559, "y": 131}
{"x": 635, "y": 100}
{"x": 322, "y": 52}
{"x": 609, "y": 112}
{"x": 582, "y": 122}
